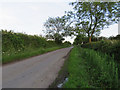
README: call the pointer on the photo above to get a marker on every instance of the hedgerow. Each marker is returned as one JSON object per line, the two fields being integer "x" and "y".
{"x": 111, "y": 47}
{"x": 17, "y": 46}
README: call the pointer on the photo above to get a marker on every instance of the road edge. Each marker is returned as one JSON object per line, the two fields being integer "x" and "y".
{"x": 62, "y": 74}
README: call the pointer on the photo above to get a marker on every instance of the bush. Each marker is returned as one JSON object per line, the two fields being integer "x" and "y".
{"x": 18, "y": 41}
{"x": 111, "y": 47}
{"x": 17, "y": 46}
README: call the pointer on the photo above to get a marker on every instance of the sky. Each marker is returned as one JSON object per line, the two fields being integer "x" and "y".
{"x": 28, "y": 16}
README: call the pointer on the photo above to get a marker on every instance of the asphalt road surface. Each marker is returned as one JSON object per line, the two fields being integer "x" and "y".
{"x": 36, "y": 72}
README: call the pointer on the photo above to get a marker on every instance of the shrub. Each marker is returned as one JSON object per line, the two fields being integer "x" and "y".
{"x": 14, "y": 42}
{"x": 111, "y": 47}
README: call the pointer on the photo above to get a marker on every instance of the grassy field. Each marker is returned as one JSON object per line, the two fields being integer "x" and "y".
{"x": 90, "y": 69}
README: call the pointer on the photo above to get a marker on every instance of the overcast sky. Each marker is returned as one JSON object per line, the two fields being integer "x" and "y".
{"x": 28, "y": 16}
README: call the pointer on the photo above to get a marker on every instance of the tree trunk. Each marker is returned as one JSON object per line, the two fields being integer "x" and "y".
{"x": 90, "y": 39}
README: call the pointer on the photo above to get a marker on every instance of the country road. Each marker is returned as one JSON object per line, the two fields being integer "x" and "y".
{"x": 36, "y": 72}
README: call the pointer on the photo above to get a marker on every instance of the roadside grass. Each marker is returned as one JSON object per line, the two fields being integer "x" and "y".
{"x": 90, "y": 69}
{"x": 63, "y": 73}
{"x": 29, "y": 52}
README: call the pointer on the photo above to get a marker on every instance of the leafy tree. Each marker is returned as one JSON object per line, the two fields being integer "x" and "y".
{"x": 67, "y": 42}
{"x": 101, "y": 38}
{"x": 79, "y": 39}
{"x": 56, "y": 28}
{"x": 91, "y": 17}
{"x": 117, "y": 37}
{"x": 114, "y": 38}
{"x": 58, "y": 38}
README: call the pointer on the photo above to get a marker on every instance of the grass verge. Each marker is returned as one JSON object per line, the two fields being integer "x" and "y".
{"x": 26, "y": 54}
{"x": 63, "y": 73}
{"x": 90, "y": 69}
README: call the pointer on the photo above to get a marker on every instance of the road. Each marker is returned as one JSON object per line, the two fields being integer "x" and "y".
{"x": 36, "y": 72}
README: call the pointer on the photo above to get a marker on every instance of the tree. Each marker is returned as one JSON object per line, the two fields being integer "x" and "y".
{"x": 91, "y": 17}
{"x": 80, "y": 39}
{"x": 67, "y": 43}
{"x": 114, "y": 38}
{"x": 117, "y": 37}
{"x": 56, "y": 28}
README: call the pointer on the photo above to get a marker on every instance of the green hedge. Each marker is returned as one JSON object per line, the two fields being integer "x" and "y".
{"x": 17, "y": 46}
{"x": 111, "y": 47}
{"x": 18, "y": 41}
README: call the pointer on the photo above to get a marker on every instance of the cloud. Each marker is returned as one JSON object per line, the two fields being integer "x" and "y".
{"x": 111, "y": 31}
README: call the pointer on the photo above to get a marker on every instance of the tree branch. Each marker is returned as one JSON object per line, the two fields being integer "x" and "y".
{"x": 93, "y": 30}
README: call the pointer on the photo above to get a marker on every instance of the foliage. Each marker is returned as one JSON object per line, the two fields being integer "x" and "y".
{"x": 111, "y": 47}
{"x": 90, "y": 69}
{"x": 67, "y": 43}
{"x": 115, "y": 38}
{"x": 17, "y": 46}
{"x": 19, "y": 41}
{"x": 56, "y": 28}
{"x": 101, "y": 38}
{"x": 54, "y": 25}
{"x": 91, "y": 17}
{"x": 58, "y": 38}
{"x": 80, "y": 39}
